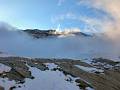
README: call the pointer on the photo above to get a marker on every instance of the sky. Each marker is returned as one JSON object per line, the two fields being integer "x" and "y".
{"x": 49, "y": 14}
{"x": 83, "y": 15}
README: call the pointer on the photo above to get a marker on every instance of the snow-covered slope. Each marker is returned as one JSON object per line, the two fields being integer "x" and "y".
{"x": 53, "y": 78}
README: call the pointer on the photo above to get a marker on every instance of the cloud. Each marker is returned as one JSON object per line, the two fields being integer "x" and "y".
{"x": 92, "y": 24}
{"x": 60, "y": 2}
{"x": 18, "y": 43}
{"x": 111, "y": 28}
{"x": 62, "y": 17}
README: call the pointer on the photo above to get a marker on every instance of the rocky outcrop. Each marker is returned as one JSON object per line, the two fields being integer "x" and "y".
{"x": 36, "y": 33}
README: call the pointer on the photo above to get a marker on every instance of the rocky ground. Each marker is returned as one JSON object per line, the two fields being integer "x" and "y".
{"x": 99, "y": 74}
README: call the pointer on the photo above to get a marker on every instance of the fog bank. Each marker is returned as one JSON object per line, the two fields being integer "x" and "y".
{"x": 77, "y": 47}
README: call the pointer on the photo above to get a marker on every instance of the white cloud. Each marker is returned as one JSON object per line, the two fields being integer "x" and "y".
{"x": 111, "y": 28}
{"x": 60, "y": 2}
{"x": 91, "y": 23}
{"x": 62, "y": 17}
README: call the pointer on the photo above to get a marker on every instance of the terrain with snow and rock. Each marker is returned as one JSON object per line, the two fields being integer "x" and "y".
{"x": 34, "y": 59}
{"x": 19, "y": 73}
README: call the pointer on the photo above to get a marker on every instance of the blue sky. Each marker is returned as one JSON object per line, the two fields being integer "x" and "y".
{"x": 47, "y": 14}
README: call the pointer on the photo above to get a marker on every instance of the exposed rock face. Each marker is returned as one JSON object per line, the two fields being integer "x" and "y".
{"x": 36, "y": 33}
{"x": 40, "y": 33}
{"x": 1, "y": 88}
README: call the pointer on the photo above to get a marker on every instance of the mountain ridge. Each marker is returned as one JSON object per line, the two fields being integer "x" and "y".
{"x": 36, "y": 33}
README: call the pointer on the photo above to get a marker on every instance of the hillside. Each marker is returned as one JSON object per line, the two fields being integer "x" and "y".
{"x": 18, "y": 73}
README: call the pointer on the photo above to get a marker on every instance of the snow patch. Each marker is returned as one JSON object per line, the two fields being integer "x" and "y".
{"x": 44, "y": 80}
{"x": 4, "y": 82}
{"x": 89, "y": 69}
{"x": 51, "y": 65}
{"x": 48, "y": 80}
{"x": 102, "y": 65}
{"x": 4, "y": 68}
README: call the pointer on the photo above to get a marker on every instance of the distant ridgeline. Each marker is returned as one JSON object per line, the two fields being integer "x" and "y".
{"x": 36, "y": 33}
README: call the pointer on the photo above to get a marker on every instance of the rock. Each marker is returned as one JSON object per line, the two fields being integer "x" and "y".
{"x": 1, "y": 88}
